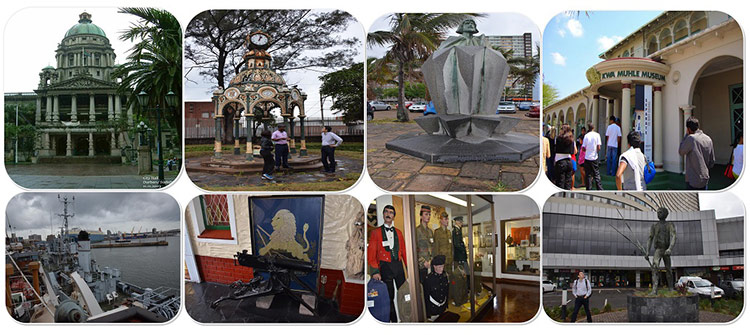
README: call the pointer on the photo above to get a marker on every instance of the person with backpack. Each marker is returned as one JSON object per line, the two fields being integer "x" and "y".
{"x": 581, "y": 290}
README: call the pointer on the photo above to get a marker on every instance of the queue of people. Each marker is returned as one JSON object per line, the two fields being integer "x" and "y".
{"x": 274, "y": 149}
{"x": 563, "y": 157}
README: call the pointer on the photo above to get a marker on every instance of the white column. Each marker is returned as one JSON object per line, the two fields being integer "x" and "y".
{"x": 92, "y": 109}
{"x": 68, "y": 145}
{"x": 110, "y": 111}
{"x": 625, "y": 113}
{"x": 55, "y": 109}
{"x": 616, "y": 106}
{"x": 73, "y": 108}
{"x": 118, "y": 107}
{"x": 113, "y": 141}
{"x": 91, "y": 144}
{"x": 38, "y": 113}
{"x": 48, "y": 110}
{"x": 608, "y": 108}
{"x": 595, "y": 111}
{"x": 130, "y": 115}
{"x": 658, "y": 128}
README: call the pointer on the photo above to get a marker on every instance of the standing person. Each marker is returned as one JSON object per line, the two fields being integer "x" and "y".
{"x": 629, "y": 174}
{"x": 266, "y": 147}
{"x": 581, "y": 291}
{"x": 442, "y": 245}
{"x": 565, "y": 149}
{"x": 280, "y": 139}
{"x": 328, "y": 147}
{"x": 581, "y": 156}
{"x": 737, "y": 159}
{"x": 386, "y": 256}
{"x": 459, "y": 260}
{"x": 698, "y": 150}
{"x": 551, "y": 136}
{"x": 546, "y": 153}
{"x": 592, "y": 143}
{"x": 425, "y": 240}
{"x": 613, "y": 136}
{"x": 436, "y": 288}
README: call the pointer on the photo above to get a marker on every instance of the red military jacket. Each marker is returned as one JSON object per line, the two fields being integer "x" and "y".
{"x": 377, "y": 253}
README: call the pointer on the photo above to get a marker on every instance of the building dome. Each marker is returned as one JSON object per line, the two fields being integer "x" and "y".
{"x": 85, "y": 27}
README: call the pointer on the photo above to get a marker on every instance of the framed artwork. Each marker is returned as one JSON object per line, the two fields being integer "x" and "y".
{"x": 290, "y": 227}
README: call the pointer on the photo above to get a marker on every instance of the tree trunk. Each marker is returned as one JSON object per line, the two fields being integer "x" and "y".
{"x": 402, "y": 113}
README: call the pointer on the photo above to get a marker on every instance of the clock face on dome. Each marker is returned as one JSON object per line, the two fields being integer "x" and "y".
{"x": 259, "y": 39}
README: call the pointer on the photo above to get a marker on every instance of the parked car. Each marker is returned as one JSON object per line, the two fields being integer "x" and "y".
{"x": 700, "y": 286}
{"x": 732, "y": 287}
{"x": 418, "y": 107}
{"x": 370, "y": 112}
{"x": 524, "y": 105}
{"x": 533, "y": 111}
{"x": 548, "y": 286}
{"x": 380, "y": 106}
{"x": 407, "y": 104}
{"x": 506, "y": 107}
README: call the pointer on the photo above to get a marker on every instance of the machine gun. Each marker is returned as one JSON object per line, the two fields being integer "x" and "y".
{"x": 282, "y": 271}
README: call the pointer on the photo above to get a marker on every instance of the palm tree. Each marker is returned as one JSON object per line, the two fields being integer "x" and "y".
{"x": 412, "y": 37}
{"x": 154, "y": 64}
{"x": 522, "y": 69}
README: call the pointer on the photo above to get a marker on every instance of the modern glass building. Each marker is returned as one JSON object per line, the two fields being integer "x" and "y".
{"x": 582, "y": 232}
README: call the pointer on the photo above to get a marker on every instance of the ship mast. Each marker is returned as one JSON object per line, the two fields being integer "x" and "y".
{"x": 64, "y": 229}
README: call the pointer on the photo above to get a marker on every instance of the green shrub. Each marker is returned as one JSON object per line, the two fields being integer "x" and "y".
{"x": 607, "y": 308}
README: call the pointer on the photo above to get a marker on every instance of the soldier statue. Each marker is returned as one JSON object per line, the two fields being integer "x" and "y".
{"x": 443, "y": 239}
{"x": 663, "y": 237}
{"x": 424, "y": 241}
{"x": 436, "y": 288}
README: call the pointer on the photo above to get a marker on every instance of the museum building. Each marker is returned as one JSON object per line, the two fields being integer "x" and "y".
{"x": 79, "y": 112}
{"x": 580, "y": 233}
{"x": 678, "y": 65}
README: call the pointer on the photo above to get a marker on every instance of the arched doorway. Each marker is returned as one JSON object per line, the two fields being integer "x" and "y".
{"x": 717, "y": 97}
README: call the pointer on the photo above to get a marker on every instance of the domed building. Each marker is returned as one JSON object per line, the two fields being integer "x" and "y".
{"x": 79, "y": 114}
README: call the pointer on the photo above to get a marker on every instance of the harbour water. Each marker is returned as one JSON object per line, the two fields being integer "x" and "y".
{"x": 149, "y": 266}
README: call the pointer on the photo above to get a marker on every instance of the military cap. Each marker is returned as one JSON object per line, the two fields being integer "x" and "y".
{"x": 438, "y": 260}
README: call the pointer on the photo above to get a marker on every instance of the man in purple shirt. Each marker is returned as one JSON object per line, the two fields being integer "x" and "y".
{"x": 280, "y": 138}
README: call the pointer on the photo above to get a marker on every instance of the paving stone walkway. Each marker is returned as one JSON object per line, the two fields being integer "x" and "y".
{"x": 394, "y": 171}
{"x": 77, "y": 176}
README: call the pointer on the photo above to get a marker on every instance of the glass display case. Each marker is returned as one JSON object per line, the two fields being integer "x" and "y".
{"x": 521, "y": 246}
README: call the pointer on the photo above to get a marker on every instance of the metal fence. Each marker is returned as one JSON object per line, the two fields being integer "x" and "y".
{"x": 205, "y": 128}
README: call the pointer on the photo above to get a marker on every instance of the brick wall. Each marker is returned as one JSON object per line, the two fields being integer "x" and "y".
{"x": 222, "y": 270}
{"x": 351, "y": 295}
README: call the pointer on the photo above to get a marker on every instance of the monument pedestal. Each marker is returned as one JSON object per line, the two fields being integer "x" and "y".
{"x": 144, "y": 160}
{"x": 663, "y": 309}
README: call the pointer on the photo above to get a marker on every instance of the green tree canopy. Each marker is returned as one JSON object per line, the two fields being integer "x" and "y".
{"x": 345, "y": 87}
{"x": 550, "y": 94}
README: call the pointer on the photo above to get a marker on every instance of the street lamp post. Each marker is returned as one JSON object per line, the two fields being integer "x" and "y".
{"x": 171, "y": 99}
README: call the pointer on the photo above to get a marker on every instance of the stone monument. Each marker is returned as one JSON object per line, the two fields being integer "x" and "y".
{"x": 465, "y": 77}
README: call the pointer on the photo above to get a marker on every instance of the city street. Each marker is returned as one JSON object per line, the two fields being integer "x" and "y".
{"x": 616, "y": 297}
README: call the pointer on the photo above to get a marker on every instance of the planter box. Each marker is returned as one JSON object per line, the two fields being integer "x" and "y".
{"x": 662, "y": 309}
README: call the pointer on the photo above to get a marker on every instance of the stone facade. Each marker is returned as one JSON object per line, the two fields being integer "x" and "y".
{"x": 662, "y": 309}
{"x": 79, "y": 112}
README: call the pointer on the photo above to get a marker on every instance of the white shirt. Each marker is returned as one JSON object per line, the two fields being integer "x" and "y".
{"x": 389, "y": 236}
{"x": 738, "y": 160}
{"x": 613, "y": 131}
{"x": 590, "y": 142}
{"x": 330, "y": 138}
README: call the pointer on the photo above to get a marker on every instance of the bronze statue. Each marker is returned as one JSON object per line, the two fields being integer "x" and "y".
{"x": 663, "y": 237}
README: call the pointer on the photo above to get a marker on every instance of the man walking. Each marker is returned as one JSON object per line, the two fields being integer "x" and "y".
{"x": 386, "y": 256}
{"x": 592, "y": 142}
{"x": 698, "y": 150}
{"x": 280, "y": 140}
{"x": 328, "y": 147}
{"x": 581, "y": 291}
{"x": 613, "y": 134}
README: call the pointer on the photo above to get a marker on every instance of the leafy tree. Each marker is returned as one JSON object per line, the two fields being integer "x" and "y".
{"x": 25, "y": 132}
{"x": 154, "y": 64}
{"x": 550, "y": 94}
{"x": 345, "y": 88}
{"x": 215, "y": 40}
{"x": 412, "y": 37}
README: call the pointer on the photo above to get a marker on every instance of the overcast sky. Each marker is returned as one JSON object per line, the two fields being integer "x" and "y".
{"x": 491, "y": 24}
{"x": 32, "y": 35}
{"x": 724, "y": 204}
{"x": 198, "y": 88}
{"x": 35, "y": 213}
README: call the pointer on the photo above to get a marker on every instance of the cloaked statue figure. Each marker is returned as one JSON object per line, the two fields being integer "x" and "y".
{"x": 466, "y": 78}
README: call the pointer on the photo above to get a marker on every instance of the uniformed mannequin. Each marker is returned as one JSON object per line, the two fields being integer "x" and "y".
{"x": 460, "y": 266}
{"x": 436, "y": 287}
{"x": 424, "y": 241}
{"x": 386, "y": 256}
{"x": 443, "y": 242}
